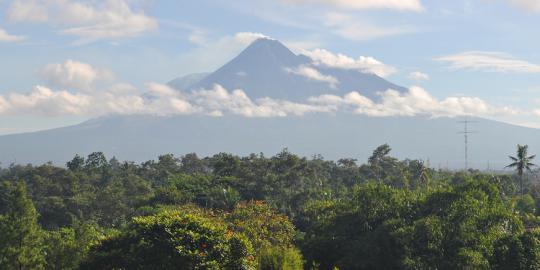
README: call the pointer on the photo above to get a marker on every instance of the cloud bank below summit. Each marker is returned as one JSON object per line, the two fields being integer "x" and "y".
{"x": 218, "y": 101}
{"x": 85, "y": 99}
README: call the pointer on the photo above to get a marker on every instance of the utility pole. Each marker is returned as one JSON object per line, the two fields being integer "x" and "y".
{"x": 466, "y": 132}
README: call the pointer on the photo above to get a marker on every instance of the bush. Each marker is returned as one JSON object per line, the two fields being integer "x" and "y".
{"x": 172, "y": 239}
{"x": 273, "y": 258}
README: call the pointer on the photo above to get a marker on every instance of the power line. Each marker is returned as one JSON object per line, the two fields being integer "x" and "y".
{"x": 466, "y": 132}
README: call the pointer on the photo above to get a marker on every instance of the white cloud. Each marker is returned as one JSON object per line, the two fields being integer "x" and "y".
{"x": 89, "y": 21}
{"x": 218, "y": 100}
{"x": 529, "y": 5}
{"x": 313, "y": 74}
{"x": 297, "y": 46}
{"x": 85, "y": 99}
{"x": 161, "y": 100}
{"x": 74, "y": 75}
{"x": 44, "y": 101}
{"x": 360, "y": 29}
{"x": 418, "y": 76}
{"x": 414, "y": 102}
{"x": 363, "y": 64}
{"x": 6, "y": 37}
{"x": 158, "y": 99}
{"x": 489, "y": 61}
{"x": 164, "y": 100}
{"x": 410, "y": 5}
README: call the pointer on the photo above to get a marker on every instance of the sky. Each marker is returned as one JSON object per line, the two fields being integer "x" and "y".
{"x": 65, "y": 61}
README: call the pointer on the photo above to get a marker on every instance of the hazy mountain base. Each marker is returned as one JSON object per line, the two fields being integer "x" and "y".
{"x": 141, "y": 138}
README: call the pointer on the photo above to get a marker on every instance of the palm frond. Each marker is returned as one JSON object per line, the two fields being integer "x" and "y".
{"x": 515, "y": 164}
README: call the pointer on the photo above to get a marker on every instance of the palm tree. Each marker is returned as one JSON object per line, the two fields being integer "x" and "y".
{"x": 522, "y": 163}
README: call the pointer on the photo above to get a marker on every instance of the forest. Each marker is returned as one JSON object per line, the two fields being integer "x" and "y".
{"x": 269, "y": 213}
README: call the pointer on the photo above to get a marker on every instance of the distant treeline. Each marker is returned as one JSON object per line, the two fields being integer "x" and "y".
{"x": 258, "y": 212}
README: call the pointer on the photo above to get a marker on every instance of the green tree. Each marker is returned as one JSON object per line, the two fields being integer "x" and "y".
{"x": 21, "y": 243}
{"x": 76, "y": 164}
{"x": 382, "y": 227}
{"x": 67, "y": 247}
{"x": 174, "y": 239}
{"x": 521, "y": 252}
{"x": 96, "y": 161}
{"x": 522, "y": 163}
{"x": 381, "y": 164}
{"x": 262, "y": 225}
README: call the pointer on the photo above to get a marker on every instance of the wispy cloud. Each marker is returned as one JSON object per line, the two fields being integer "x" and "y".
{"x": 418, "y": 76}
{"x": 6, "y": 37}
{"x": 212, "y": 52}
{"x": 409, "y": 5}
{"x": 529, "y": 5}
{"x": 489, "y": 61}
{"x": 89, "y": 21}
{"x": 313, "y": 74}
{"x": 362, "y": 29}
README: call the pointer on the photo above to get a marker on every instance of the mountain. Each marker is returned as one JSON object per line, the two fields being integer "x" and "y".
{"x": 142, "y": 138}
{"x": 263, "y": 70}
{"x": 185, "y": 82}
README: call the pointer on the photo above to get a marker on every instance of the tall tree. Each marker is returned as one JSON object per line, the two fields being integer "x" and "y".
{"x": 380, "y": 162}
{"x": 76, "y": 164}
{"x": 522, "y": 163}
{"x": 21, "y": 244}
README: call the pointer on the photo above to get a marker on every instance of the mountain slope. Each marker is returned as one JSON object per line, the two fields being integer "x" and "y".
{"x": 185, "y": 82}
{"x": 262, "y": 70}
{"x": 334, "y": 136}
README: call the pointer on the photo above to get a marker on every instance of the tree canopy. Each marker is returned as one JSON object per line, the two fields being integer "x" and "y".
{"x": 256, "y": 212}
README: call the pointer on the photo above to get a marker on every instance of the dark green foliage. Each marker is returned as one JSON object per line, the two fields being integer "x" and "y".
{"x": 517, "y": 252}
{"x": 385, "y": 228}
{"x": 173, "y": 240}
{"x": 76, "y": 164}
{"x": 67, "y": 247}
{"x": 262, "y": 226}
{"x": 264, "y": 212}
{"x": 21, "y": 238}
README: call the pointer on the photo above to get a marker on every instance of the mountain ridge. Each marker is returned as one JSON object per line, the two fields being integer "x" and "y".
{"x": 261, "y": 70}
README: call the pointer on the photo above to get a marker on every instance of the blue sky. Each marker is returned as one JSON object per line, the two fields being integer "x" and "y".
{"x": 486, "y": 50}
